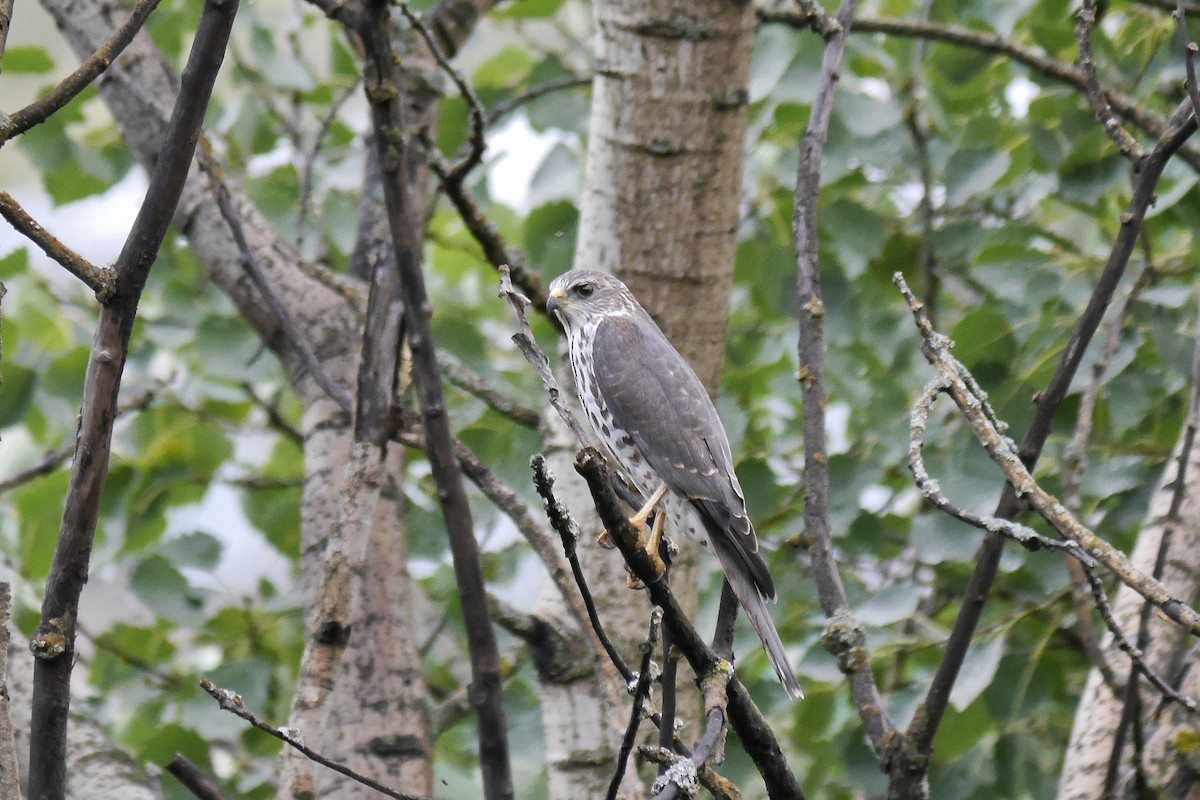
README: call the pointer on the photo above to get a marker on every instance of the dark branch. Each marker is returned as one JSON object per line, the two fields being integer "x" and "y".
{"x": 39, "y": 111}
{"x": 232, "y": 702}
{"x": 53, "y": 642}
{"x": 383, "y": 93}
{"x": 194, "y": 779}
{"x": 811, "y": 352}
{"x": 641, "y": 700}
{"x": 1128, "y": 146}
{"x": 98, "y": 279}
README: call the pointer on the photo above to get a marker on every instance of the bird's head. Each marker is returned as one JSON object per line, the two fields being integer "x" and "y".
{"x": 584, "y": 295}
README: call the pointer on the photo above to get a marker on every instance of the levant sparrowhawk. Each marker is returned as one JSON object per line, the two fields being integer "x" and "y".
{"x": 653, "y": 416}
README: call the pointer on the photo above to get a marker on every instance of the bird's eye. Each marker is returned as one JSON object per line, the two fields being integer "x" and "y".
{"x": 585, "y": 289}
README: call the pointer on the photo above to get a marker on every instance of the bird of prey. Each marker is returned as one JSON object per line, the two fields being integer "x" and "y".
{"x": 656, "y": 421}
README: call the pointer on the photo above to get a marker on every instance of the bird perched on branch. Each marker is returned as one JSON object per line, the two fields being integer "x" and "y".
{"x": 653, "y": 416}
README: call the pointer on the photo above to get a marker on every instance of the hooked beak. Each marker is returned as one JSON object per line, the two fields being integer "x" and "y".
{"x": 554, "y": 302}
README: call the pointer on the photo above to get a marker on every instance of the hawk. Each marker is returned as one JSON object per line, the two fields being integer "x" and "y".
{"x": 651, "y": 413}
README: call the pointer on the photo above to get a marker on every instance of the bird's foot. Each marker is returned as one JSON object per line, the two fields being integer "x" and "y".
{"x": 605, "y": 540}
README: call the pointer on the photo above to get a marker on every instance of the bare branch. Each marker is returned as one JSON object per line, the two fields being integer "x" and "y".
{"x": 232, "y": 702}
{"x": 53, "y": 642}
{"x": 259, "y": 278}
{"x": 1003, "y": 452}
{"x": 495, "y": 248}
{"x": 6, "y": 10}
{"x": 476, "y": 144}
{"x": 534, "y": 355}
{"x": 497, "y": 398}
{"x": 98, "y": 279}
{"x": 1189, "y": 56}
{"x": 383, "y": 94}
{"x": 811, "y": 352}
{"x": 641, "y": 700}
{"x": 510, "y": 104}
{"x": 40, "y": 110}
{"x": 1128, "y": 146}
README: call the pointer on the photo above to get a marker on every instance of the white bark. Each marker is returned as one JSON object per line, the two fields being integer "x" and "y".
{"x": 1170, "y": 652}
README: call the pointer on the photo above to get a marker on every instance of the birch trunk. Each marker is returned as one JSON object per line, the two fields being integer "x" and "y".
{"x": 1166, "y": 729}
{"x": 659, "y": 209}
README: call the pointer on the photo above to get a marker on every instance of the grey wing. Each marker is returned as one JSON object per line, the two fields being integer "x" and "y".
{"x": 655, "y": 396}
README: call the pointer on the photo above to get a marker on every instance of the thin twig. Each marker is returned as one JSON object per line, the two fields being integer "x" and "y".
{"x": 641, "y": 699}
{"x": 1128, "y": 146}
{"x": 510, "y": 104}
{"x": 232, "y": 702}
{"x": 1003, "y": 452}
{"x": 495, "y": 248}
{"x": 53, "y": 642}
{"x": 568, "y": 532}
{"x": 98, "y": 279}
{"x": 259, "y": 278}
{"x": 682, "y": 774}
{"x": 495, "y": 397}
{"x": 476, "y": 142}
{"x": 40, "y": 110}
{"x": 310, "y": 160}
{"x": 534, "y": 355}
{"x": 811, "y": 353}
{"x": 1189, "y": 56}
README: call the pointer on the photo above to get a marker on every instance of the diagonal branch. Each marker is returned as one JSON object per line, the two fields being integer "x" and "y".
{"x": 53, "y": 642}
{"x": 924, "y": 725}
{"x": 98, "y": 279}
{"x": 40, "y": 110}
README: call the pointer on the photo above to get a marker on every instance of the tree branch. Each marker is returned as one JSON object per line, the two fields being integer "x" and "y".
{"x": 641, "y": 701}
{"x": 1128, "y": 146}
{"x": 381, "y": 85}
{"x": 811, "y": 353}
{"x": 98, "y": 279}
{"x": 194, "y": 779}
{"x": 232, "y": 702}
{"x": 919, "y": 735}
{"x": 40, "y": 110}
{"x": 53, "y": 642}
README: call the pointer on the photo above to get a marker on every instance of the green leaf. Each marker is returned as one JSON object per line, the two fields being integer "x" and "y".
{"x": 26, "y": 59}
{"x": 165, "y": 590}
{"x": 977, "y": 672}
{"x": 16, "y": 392}
{"x": 197, "y": 549}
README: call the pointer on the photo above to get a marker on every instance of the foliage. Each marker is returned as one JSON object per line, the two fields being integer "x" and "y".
{"x": 1027, "y": 197}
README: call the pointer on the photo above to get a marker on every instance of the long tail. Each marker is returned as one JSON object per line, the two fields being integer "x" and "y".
{"x": 752, "y": 602}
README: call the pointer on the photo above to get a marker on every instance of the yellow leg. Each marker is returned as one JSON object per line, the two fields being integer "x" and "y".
{"x": 638, "y": 520}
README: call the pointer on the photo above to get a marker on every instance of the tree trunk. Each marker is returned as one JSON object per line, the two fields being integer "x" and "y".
{"x": 659, "y": 209}
{"x": 1164, "y": 756}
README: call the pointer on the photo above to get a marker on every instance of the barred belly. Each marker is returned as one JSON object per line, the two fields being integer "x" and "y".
{"x": 620, "y": 447}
